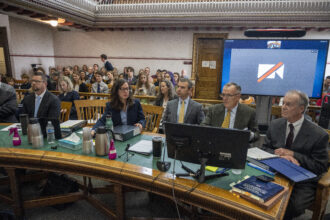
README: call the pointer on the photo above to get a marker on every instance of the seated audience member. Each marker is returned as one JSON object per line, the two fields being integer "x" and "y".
{"x": 326, "y": 86}
{"x": 232, "y": 114}
{"x": 124, "y": 109}
{"x": 159, "y": 78}
{"x": 8, "y": 105}
{"x": 82, "y": 76}
{"x": 68, "y": 71}
{"x": 184, "y": 74}
{"x": 4, "y": 85}
{"x": 68, "y": 95}
{"x": 41, "y": 103}
{"x": 115, "y": 73}
{"x": 84, "y": 68}
{"x": 26, "y": 81}
{"x": 90, "y": 75}
{"x": 176, "y": 76}
{"x": 75, "y": 68}
{"x": 96, "y": 68}
{"x": 303, "y": 143}
{"x": 147, "y": 71}
{"x": 184, "y": 109}
{"x": 11, "y": 81}
{"x": 99, "y": 86}
{"x": 107, "y": 65}
{"x": 121, "y": 76}
{"x": 143, "y": 87}
{"x": 169, "y": 76}
{"x": 246, "y": 99}
{"x": 53, "y": 84}
{"x": 110, "y": 80}
{"x": 131, "y": 79}
{"x": 78, "y": 85}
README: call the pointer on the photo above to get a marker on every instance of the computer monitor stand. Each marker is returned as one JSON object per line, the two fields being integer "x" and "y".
{"x": 199, "y": 175}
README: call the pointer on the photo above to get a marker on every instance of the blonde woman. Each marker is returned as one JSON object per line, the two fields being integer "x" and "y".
{"x": 68, "y": 95}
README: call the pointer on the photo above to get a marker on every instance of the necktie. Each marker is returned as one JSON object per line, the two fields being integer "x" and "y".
{"x": 225, "y": 123}
{"x": 98, "y": 88}
{"x": 36, "y": 106}
{"x": 289, "y": 139}
{"x": 181, "y": 113}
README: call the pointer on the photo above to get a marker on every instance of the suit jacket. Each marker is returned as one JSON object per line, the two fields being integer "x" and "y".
{"x": 8, "y": 106}
{"x": 134, "y": 115}
{"x": 49, "y": 110}
{"x": 245, "y": 118}
{"x": 7, "y": 87}
{"x": 194, "y": 113}
{"x": 108, "y": 66}
{"x": 309, "y": 146}
{"x": 103, "y": 88}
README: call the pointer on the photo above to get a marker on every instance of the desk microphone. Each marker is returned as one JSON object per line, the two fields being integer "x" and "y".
{"x": 163, "y": 165}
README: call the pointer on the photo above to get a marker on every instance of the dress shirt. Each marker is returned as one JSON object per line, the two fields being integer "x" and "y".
{"x": 123, "y": 116}
{"x": 41, "y": 96}
{"x": 186, "y": 102}
{"x": 296, "y": 129}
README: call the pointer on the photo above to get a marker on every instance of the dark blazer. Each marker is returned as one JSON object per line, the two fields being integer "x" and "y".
{"x": 245, "y": 118}
{"x": 309, "y": 146}
{"x": 108, "y": 66}
{"x": 8, "y": 106}
{"x": 133, "y": 81}
{"x": 70, "y": 97}
{"x": 134, "y": 115}
{"x": 49, "y": 110}
{"x": 194, "y": 113}
{"x": 83, "y": 87}
{"x": 26, "y": 85}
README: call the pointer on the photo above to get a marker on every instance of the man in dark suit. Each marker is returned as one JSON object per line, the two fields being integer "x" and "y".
{"x": 107, "y": 65}
{"x": 303, "y": 143}
{"x": 8, "y": 105}
{"x": 232, "y": 114}
{"x": 42, "y": 104}
{"x": 184, "y": 109}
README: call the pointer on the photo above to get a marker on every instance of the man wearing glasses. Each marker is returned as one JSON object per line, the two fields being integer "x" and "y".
{"x": 42, "y": 104}
{"x": 232, "y": 114}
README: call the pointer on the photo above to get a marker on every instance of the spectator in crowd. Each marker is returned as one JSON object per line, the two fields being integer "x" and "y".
{"x": 301, "y": 142}
{"x": 78, "y": 85}
{"x": 110, "y": 80}
{"x": 121, "y": 76}
{"x": 103, "y": 71}
{"x": 170, "y": 77}
{"x": 4, "y": 85}
{"x": 143, "y": 87}
{"x": 184, "y": 109}
{"x": 75, "y": 68}
{"x": 326, "y": 85}
{"x": 176, "y": 77}
{"x": 115, "y": 73}
{"x": 131, "y": 79}
{"x": 232, "y": 114}
{"x": 246, "y": 99}
{"x": 26, "y": 81}
{"x": 8, "y": 105}
{"x": 124, "y": 109}
{"x": 84, "y": 68}
{"x": 82, "y": 76}
{"x": 107, "y": 65}
{"x": 159, "y": 78}
{"x": 68, "y": 71}
{"x": 11, "y": 81}
{"x": 99, "y": 86}
{"x": 147, "y": 71}
{"x": 95, "y": 67}
{"x": 53, "y": 85}
{"x": 68, "y": 95}
{"x": 90, "y": 75}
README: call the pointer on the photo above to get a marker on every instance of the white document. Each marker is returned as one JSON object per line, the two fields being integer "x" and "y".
{"x": 258, "y": 154}
{"x": 143, "y": 146}
{"x": 70, "y": 123}
{"x": 205, "y": 64}
{"x": 15, "y": 125}
{"x": 213, "y": 64}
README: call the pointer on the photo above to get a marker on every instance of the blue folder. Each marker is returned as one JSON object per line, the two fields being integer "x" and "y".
{"x": 288, "y": 169}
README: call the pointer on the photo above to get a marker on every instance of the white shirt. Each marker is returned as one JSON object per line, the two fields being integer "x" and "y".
{"x": 186, "y": 101}
{"x": 296, "y": 128}
{"x": 232, "y": 116}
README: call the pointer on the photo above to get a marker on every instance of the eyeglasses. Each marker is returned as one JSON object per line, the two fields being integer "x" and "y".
{"x": 124, "y": 89}
{"x": 228, "y": 95}
{"x": 37, "y": 81}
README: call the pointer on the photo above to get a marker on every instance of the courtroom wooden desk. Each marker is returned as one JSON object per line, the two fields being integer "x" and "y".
{"x": 139, "y": 172}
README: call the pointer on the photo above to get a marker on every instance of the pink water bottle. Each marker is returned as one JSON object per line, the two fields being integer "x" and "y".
{"x": 112, "y": 150}
{"x": 16, "y": 138}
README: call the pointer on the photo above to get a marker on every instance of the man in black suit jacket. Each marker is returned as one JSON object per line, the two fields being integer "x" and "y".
{"x": 107, "y": 65}
{"x": 8, "y": 105}
{"x": 49, "y": 108}
{"x": 303, "y": 143}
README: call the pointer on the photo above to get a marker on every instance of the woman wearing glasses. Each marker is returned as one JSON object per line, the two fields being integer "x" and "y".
{"x": 124, "y": 109}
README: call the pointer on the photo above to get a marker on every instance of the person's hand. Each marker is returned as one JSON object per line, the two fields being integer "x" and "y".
{"x": 283, "y": 152}
{"x": 63, "y": 110}
{"x": 138, "y": 125}
{"x": 291, "y": 159}
{"x": 92, "y": 133}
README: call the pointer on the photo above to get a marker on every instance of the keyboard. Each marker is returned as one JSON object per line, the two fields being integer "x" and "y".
{"x": 288, "y": 169}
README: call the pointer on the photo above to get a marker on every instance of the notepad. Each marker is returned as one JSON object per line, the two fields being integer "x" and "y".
{"x": 258, "y": 154}
{"x": 142, "y": 147}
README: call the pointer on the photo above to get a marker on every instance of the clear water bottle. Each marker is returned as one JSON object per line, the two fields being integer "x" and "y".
{"x": 50, "y": 133}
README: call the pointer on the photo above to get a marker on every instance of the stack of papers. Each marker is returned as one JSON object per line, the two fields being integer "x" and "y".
{"x": 258, "y": 154}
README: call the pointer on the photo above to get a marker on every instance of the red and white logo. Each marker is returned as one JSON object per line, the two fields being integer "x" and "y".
{"x": 270, "y": 70}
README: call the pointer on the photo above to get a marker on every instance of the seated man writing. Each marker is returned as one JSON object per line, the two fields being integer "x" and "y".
{"x": 303, "y": 143}
{"x": 232, "y": 114}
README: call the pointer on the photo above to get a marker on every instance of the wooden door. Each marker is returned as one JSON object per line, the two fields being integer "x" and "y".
{"x": 208, "y": 66}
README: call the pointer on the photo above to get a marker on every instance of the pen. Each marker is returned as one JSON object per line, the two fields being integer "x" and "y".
{"x": 261, "y": 169}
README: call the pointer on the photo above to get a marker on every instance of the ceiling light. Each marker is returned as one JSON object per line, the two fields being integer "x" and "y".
{"x": 53, "y": 23}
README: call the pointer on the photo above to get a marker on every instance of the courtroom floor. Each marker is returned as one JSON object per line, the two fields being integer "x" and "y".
{"x": 138, "y": 204}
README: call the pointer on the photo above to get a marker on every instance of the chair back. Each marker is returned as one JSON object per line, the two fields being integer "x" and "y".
{"x": 90, "y": 110}
{"x": 65, "y": 114}
{"x": 153, "y": 115}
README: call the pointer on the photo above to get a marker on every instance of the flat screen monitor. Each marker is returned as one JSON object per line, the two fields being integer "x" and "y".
{"x": 273, "y": 67}
{"x": 226, "y": 148}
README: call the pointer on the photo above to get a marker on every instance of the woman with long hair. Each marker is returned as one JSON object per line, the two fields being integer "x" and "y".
{"x": 67, "y": 94}
{"x": 78, "y": 85}
{"x": 124, "y": 109}
{"x": 143, "y": 87}
{"x": 166, "y": 93}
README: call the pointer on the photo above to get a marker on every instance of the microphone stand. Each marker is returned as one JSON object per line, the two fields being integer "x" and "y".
{"x": 127, "y": 153}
